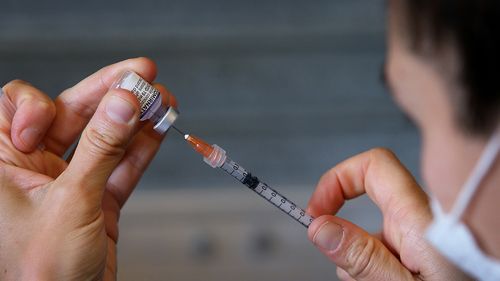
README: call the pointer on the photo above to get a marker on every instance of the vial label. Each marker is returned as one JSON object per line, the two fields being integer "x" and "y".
{"x": 145, "y": 93}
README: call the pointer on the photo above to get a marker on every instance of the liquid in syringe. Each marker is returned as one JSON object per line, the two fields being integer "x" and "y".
{"x": 216, "y": 157}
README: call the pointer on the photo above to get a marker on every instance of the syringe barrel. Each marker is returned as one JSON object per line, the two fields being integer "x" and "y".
{"x": 219, "y": 159}
{"x": 150, "y": 100}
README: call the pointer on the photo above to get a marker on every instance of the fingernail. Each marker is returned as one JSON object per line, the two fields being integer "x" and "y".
{"x": 30, "y": 136}
{"x": 119, "y": 110}
{"x": 328, "y": 236}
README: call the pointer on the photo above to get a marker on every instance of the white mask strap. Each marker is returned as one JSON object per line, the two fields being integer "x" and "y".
{"x": 482, "y": 167}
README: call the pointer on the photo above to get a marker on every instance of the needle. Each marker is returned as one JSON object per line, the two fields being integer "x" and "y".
{"x": 179, "y": 131}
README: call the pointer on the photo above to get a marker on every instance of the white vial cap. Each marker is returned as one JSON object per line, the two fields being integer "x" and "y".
{"x": 165, "y": 122}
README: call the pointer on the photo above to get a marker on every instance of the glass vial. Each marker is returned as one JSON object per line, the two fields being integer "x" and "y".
{"x": 163, "y": 117}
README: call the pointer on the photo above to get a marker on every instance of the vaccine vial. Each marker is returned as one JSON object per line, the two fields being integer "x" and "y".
{"x": 163, "y": 117}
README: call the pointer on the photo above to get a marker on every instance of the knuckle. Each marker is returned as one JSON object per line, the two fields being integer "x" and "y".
{"x": 103, "y": 142}
{"x": 27, "y": 93}
{"x": 382, "y": 153}
{"x": 137, "y": 161}
{"x": 81, "y": 109}
{"x": 47, "y": 107}
{"x": 17, "y": 82}
{"x": 325, "y": 178}
{"x": 41, "y": 105}
{"x": 147, "y": 61}
{"x": 359, "y": 257}
{"x": 329, "y": 177}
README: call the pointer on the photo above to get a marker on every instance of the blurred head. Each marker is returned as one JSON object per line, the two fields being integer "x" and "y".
{"x": 441, "y": 67}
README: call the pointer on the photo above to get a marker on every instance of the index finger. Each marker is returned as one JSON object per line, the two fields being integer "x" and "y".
{"x": 76, "y": 105}
{"x": 380, "y": 175}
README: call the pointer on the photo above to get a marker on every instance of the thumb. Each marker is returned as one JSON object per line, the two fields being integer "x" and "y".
{"x": 103, "y": 143}
{"x": 356, "y": 252}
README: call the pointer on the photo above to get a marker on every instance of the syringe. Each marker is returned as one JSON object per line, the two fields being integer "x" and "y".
{"x": 216, "y": 157}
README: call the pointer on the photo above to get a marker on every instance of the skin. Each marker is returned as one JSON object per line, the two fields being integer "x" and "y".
{"x": 423, "y": 86}
{"x": 59, "y": 219}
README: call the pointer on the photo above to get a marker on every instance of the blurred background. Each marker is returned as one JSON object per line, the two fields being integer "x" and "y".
{"x": 289, "y": 88}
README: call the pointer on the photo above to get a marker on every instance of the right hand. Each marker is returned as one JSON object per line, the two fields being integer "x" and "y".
{"x": 400, "y": 251}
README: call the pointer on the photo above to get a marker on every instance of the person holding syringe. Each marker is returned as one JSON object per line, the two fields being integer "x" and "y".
{"x": 59, "y": 218}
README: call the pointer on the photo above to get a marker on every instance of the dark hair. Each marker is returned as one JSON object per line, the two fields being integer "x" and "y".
{"x": 472, "y": 26}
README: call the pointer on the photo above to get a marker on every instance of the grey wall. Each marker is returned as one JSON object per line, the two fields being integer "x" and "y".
{"x": 288, "y": 88}
{"x": 296, "y": 81}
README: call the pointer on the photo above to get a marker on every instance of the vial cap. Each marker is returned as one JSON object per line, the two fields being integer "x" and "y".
{"x": 166, "y": 121}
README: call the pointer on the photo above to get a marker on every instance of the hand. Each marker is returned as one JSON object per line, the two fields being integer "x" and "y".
{"x": 400, "y": 252}
{"x": 59, "y": 220}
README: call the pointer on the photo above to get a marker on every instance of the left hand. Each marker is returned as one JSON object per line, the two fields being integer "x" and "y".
{"x": 59, "y": 220}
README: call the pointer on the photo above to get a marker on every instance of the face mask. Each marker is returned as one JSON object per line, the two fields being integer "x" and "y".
{"x": 452, "y": 237}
